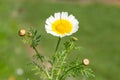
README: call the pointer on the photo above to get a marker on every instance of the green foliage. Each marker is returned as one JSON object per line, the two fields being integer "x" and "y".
{"x": 75, "y": 69}
{"x": 35, "y": 38}
{"x": 32, "y": 38}
{"x": 59, "y": 68}
{"x": 37, "y": 70}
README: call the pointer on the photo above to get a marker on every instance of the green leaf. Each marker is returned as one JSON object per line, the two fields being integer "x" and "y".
{"x": 67, "y": 44}
{"x": 87, "y": 72}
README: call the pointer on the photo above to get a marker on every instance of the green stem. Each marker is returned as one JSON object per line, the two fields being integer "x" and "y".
{"x": 41, "y": 59}
{"x": 58, "y": 44}
{"x": 53, "y": 65}
{"x": 62, "y": 63}
{"x": 57, "y": 78}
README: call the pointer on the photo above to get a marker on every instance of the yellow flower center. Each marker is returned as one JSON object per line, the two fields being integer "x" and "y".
{"x": 62, "y": 26}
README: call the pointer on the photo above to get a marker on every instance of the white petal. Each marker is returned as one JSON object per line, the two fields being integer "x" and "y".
{"x": 71, "y": 17}
{"x": 75, "y": 29}
{"x": 47, "y": 22}
{"x": 75, "y": 22}
{"x": 50, "y": 20}
{"x": 75, "y": 26}
{"x": 53, "y": 33}
{"x": 64, "y": 15}
{"x": 57, "y": 16}
{"x": 47, "y": 27}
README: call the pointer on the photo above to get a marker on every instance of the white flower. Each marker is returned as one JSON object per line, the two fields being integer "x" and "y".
{"x": 61, "y": 24}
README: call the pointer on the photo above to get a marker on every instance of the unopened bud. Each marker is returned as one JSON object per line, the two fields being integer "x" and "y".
{"x": 74, "y": 38}
{"x": 86, "y": 62}
{"x": 29, "y": 34}
{"x": 22, "y": 32}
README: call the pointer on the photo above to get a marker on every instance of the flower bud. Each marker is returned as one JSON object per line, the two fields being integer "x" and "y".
{"x": 74, "y": 38}
{"x": 22, "y": 32}
{"x": 86, "y": 62}
{"x": 30, "y": 34}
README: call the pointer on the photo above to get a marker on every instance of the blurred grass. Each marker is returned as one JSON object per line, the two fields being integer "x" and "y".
{"x": 98, "y": 35}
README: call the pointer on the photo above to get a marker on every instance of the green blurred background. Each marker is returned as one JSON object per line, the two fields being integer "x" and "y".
{"x": 99, "y": 35}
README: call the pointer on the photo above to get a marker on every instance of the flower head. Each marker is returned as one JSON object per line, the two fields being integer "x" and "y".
{"x": 22, "y": 32}
{"x": 61, "y": 24}
{"x": 86, "y": 62}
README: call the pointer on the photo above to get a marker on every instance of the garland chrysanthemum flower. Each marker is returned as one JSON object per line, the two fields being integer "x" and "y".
{"x": 61, "y": 24}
